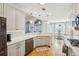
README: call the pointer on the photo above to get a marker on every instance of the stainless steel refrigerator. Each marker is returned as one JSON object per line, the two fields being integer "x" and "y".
{"x": 3, "y": 37}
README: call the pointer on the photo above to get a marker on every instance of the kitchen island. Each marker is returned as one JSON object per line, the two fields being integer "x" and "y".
{"x": 73, "y": 50}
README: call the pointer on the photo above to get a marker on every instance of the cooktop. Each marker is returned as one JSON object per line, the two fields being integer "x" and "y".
{"x": 74, "y": 42}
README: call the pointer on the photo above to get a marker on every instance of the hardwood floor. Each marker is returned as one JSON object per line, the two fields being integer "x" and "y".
{"x": 47, "y": 52}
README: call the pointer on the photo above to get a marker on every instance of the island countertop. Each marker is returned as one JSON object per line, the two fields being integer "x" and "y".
{"x": 74, "y": 49}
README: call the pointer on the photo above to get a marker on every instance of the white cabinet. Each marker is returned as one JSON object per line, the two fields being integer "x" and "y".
{"x": 77, "y": 8}
{"x": 11, "y": 50}
{"x": 0, "y": 9}
{"x": 42, "y": 40}
{"x": 17, "y": 49}
{"x": 70, "y": 52}
{"x": 15, "y": 17}
{"x": 20, "y": 20}
{"x": 9, "y": 13}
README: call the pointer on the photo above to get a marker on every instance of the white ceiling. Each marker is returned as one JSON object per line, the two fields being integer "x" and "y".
{"x": 55, "y": 11}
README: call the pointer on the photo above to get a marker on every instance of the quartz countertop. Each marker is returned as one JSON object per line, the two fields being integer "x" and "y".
{"x": 74, "y": 49}
{"x": 22, "y": 37}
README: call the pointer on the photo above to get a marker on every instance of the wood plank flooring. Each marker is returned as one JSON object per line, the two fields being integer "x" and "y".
{"x": 42, "y": 53}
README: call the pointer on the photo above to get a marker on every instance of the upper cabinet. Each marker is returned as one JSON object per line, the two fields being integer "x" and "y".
{"x": 33, "y": 26}
{"x": 15, "y": 17}
{"x": 77, "y": 8}
{"x": 0, "y": 10}
{"x": 38, "y": 25}
{"x": 19, "y": 20}
{"x": 9, "y": 13}
{"x": 29, "y": 27}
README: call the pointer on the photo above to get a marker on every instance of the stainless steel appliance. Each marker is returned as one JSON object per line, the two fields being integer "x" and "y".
{"x": 3, "y": 37}
{"x": 74, "y": 42}
{"x": 28, "y": 46}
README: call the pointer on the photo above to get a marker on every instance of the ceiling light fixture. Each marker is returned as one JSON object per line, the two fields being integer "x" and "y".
{"x": 30, "y": 21}
{"x": 43, "y": 9}
{"x": 42, "y": 3}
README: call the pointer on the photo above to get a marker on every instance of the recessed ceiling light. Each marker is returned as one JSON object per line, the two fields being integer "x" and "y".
{"x": 30, "y": 21}
{"x": 35, "y": 12}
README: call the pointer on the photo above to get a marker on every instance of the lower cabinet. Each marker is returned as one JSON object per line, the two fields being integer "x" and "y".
{"x": 70, "y": 52}
{"x": 17, "y": 49}
{"x": 41, "y": 40}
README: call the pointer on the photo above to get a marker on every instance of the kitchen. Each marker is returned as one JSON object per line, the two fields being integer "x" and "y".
{"x": 32, "y": 26}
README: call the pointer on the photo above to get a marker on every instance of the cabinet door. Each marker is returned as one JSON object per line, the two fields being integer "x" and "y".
{"x": 11, "y": 50}
{"x": 20, "y": 48}
{"x": 23, "y": 48}
{"x": 20, "y": 20}
{"x": 77, "y": 7}
{"x": 70, "y": 52}
{"x": 9, "y": 13}
{"x": 17, "y": 49}
{"x": 0, "y": 9}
